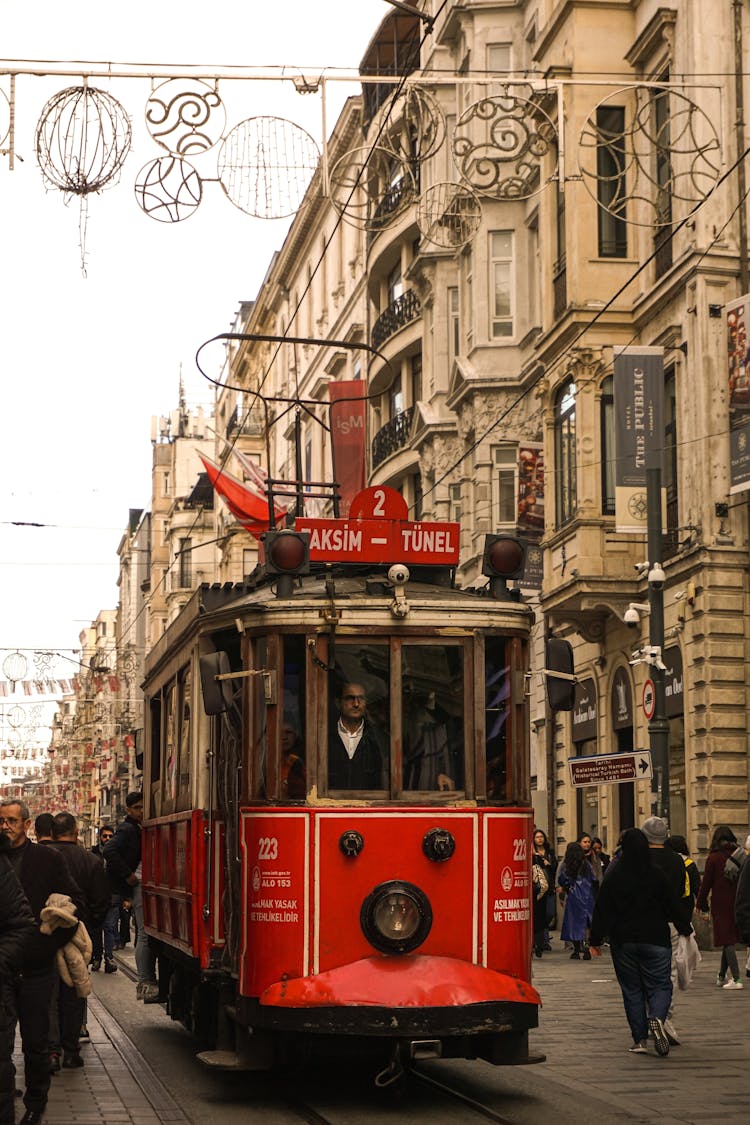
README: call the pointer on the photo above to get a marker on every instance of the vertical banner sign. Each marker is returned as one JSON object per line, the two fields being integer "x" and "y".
{"x": 530, "y": 513}
{"x": 738, "y": 371}
{"x": 639, "y": 433}
{"x": 348, "y": 438}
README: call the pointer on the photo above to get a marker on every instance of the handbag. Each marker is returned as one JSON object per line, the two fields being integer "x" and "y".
{"x": 687, "y": 959}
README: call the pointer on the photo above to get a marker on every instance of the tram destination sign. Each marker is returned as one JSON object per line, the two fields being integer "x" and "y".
{"x": 382, "y": 541}
{"x": 610, "y": 769}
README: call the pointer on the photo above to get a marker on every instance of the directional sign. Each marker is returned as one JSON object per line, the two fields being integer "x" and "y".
{"x": 382, "y": 541}
{"x": 610, "y": 769}
{"x": 649, "y": 699}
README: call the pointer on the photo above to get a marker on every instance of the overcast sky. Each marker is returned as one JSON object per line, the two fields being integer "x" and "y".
{"x": 86, "y": 361}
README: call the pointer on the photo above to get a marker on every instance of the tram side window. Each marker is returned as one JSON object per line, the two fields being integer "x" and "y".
{"x": 182, "y": 794}
{"x": 358, "y": 708}
{"x": 170, "y": 749}
{"x": 292, "y": 773}
{"x": 432, "y": 685}
{"x": 154, "y": 774}
{"x": 259, "y": 719}
{"x": 497, "y": 700}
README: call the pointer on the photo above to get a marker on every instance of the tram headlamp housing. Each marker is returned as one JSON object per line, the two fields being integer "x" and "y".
{"x": 396, "y": 917}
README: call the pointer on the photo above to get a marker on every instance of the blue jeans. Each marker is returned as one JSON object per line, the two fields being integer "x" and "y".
{"x": 643, "y": 973}
{"x": 145, "y": 958}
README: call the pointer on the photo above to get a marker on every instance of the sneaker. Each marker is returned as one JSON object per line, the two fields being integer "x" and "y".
{"x": 661, "y": 1043}
{"x": 84, "y": 1032}
{"x": 575, "y": 956}
{"x": 54, "y": 1063}
{"x": 110, "y": 967}
{"x": 720, "y": 981}
{"x": 639, "y": 1048}
{"x": 72, "y": 1062}
{"x": 95, "y": 965}
{"x": 586, "y": 955}
{"x": 672, "y": 1036}
{"x": 548, "y": 949}
{"x": 733, "y": 984}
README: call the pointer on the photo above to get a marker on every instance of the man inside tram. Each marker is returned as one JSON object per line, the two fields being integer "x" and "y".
{"x": 356, "y": 757}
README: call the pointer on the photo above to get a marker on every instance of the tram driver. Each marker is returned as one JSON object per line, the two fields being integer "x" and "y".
{"x": 356, "y": 758}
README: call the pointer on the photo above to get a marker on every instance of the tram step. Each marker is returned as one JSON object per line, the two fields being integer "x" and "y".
{"x": 221, "y": 1060}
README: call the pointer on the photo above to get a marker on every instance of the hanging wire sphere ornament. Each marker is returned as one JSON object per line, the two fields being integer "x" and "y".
{"x": 670, "y": 152}
{"x": 498, "y": 144}
{"x": 82, "y": 139}
{"x": 370, "y": 186}
{"x": 4, "y": 117}
{"x": 16, "y": 716}
{"x": 186, "y": 116}
{"x": 15, "y": 666}
{"x": 419, "y": 124}
{"x": 448, "y": 215}
{"x": 265, "y": 166}
{"x": 168, "y": 189}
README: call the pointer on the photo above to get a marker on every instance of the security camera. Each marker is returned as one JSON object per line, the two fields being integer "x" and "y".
{"x": 656, "y": 577}
{"x": 632, "y": 617}
{"x": 398, "y": 575}
{"x": 641, "y": 568}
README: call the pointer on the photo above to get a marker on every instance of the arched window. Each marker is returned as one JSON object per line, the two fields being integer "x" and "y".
{"x": 565, "y": 453}
{"x": 608, "y": 446}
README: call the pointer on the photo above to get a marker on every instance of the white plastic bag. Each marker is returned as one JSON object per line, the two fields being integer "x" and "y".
{"x": 687, "y": 958}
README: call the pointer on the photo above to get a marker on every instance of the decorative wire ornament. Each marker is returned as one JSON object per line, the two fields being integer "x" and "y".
{"x": 663, "y": 155}
{"x": 185, "y": 116}
{"x": 44, "y": 663}
{"x": 265, "y": 166}
{"x": 16, "y": 716}
{"x": 420, "y": 125}
{"x": 15, "y": 667}
{"x": 370, "y": 186}
{"x": 82, "y": 139}
{"x": 168, "y": 189}
{"x": 498, "y": 144}
{"x": 4, "y": 117}
{"x": 448, "y": 215}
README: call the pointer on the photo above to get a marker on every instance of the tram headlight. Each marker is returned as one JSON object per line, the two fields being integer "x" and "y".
{"x": 396, "y": 917}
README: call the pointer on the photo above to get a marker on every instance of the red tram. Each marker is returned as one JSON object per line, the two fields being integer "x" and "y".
{"x": 336, "y": 849}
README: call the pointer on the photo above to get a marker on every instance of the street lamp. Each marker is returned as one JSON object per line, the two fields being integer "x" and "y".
{"x": 658, "y": 727}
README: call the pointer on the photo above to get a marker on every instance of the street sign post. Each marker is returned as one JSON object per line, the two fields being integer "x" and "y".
{"x": 610, "y": 769}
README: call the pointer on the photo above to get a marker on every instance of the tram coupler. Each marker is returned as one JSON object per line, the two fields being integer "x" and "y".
{"x": 395, "y": 1071}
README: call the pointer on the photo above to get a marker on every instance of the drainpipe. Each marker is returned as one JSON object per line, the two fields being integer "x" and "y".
{"x": 740, "y": 137}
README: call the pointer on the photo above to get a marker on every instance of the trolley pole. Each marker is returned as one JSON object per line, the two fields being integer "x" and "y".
{"x": 658, "y": 727}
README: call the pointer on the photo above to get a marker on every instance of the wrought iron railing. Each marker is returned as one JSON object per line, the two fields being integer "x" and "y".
{"x": 252, "y": 424}
{"x": 391, "y": 437}
{"x": 399, "y": 313}
{"x": 397, "y": 196}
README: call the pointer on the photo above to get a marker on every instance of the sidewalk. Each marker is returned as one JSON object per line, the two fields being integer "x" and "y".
{"x": 585, "y": 1036}
{"x": 115, "y": 1087}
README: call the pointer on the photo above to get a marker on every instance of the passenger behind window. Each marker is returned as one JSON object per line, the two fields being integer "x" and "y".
{"x": 356, "y": 756}
{"x": 428, "y": 759}
{"x": 293, "y": 782}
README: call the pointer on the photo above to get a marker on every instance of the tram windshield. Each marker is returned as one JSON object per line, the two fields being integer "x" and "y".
{"x": 432, "y": 708}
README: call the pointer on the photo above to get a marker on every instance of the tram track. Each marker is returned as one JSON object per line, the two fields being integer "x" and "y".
{"x": 477, "y": 1107}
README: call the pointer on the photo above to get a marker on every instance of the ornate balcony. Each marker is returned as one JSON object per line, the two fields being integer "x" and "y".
{"x": 391, "y": 437}
{"x": 399, "y": 313}
{"x": 398, "y": 196}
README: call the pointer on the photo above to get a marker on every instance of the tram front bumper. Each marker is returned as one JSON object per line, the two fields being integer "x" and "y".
{"x": 403, "y": 995}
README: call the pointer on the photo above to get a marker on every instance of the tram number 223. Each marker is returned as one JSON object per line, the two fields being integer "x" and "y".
{"x": 268, "y": 847}
{"x": 519, "y": 850}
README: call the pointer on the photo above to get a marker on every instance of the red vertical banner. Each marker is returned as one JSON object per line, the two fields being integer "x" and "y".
{"x": 348, "y": 438}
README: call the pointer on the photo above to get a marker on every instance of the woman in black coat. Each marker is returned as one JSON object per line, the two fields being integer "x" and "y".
{"x": 542, "y": 854}
{"x": 635, "y": 904}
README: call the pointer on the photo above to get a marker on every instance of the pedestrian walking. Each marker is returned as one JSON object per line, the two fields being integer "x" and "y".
{"x": 597, "y": 848}
{"x": 68, "y": 1012}
{"x": 633, "y": 909}
{"x": 719, "y": 893}
{"x": 667, "y": 860}
{"x": 100, "y": 947}
{"x": 742, "y": 904}
{"x": 16, "y": 929}
{"x": 543, "y": 854}
{"x": 123, "y": 857}
{"x": 41, "y": 872}
{"x": 576, "y": 880}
